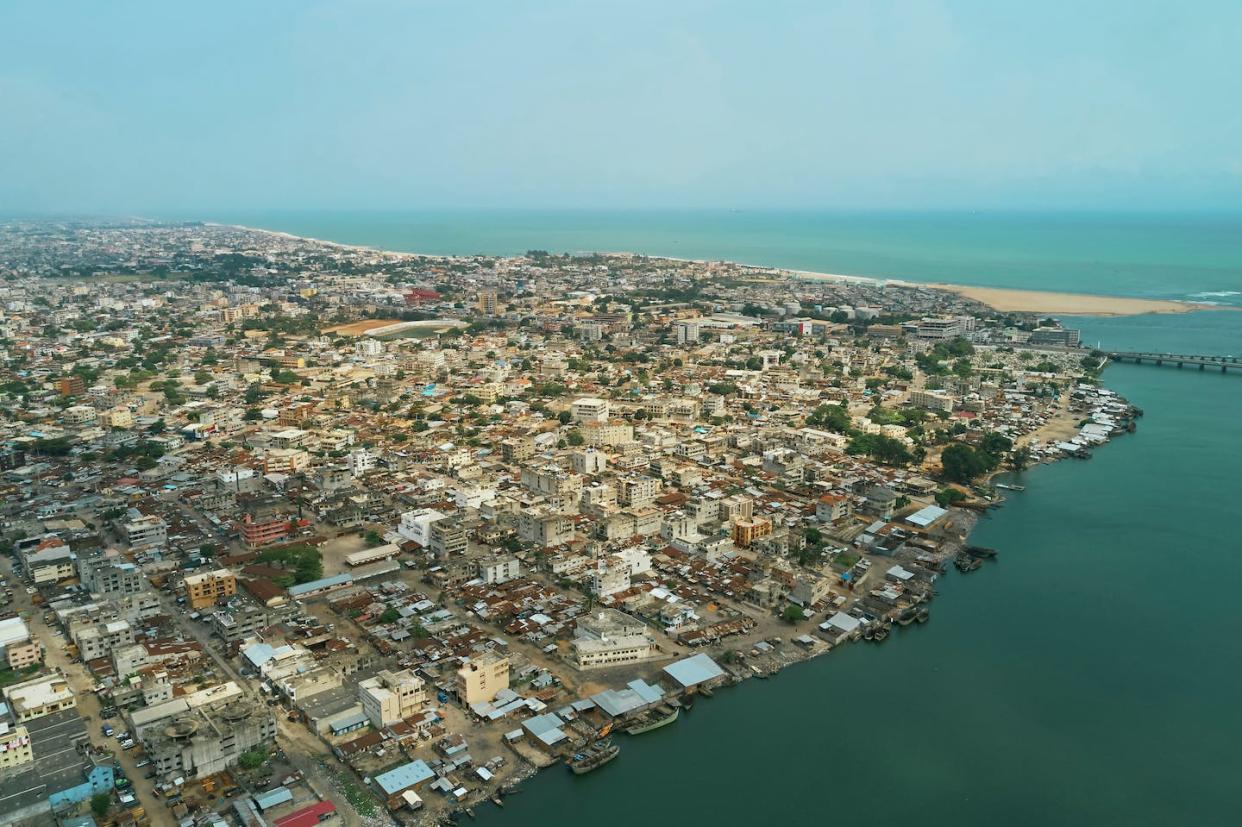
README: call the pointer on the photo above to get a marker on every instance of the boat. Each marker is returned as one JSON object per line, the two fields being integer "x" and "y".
{"x": 1010, "y": 487}
{"x": 662, "y": 716}
{"x": 965, "y": 562}
{"x": 496, "y": 800}
{"x": 705, "y": 691}
{"x": 592, "y": 757}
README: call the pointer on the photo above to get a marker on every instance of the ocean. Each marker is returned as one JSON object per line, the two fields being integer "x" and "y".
{"x": 1088, "y": 677}
{"x": 1180, "y": 257}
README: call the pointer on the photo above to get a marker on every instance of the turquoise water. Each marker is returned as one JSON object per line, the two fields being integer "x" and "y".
{"x": 1192, "y": 257}
{"x": 1089, "y": 677}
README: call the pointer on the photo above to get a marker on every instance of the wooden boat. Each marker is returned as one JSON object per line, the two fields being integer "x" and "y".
{"x": 662, "y": 716}
{"x": 592, "y": 757}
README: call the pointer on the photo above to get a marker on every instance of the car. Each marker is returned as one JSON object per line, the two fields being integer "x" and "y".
{"x": 142, "y": 762}
{"x": 31, "y": 590}
{"x": 107, "y": 731}
{"x": 127, "y": 798}
{"x": 127, "y": 745}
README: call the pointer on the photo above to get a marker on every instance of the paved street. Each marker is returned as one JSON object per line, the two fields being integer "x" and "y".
{"x": 88, "y": 703}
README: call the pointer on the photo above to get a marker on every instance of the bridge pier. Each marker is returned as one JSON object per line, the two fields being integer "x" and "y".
{"x": 1201, "y": 367}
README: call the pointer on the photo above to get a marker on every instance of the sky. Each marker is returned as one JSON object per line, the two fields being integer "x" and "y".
{"x": 169, "y": 107}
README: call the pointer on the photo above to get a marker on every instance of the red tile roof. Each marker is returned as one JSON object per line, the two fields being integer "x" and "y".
{"x": 307, "y": 816}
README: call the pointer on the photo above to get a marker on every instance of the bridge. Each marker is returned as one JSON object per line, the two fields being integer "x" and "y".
{"x": 1179, "y": 359}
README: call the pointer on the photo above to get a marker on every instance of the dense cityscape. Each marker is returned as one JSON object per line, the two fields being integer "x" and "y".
{"x": 298, "y": 532}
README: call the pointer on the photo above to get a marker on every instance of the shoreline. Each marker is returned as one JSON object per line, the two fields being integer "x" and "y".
{"x": 1001, "y": 299}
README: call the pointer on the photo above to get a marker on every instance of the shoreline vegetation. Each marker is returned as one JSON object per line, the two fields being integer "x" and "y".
{"x": 1004, "y": 299}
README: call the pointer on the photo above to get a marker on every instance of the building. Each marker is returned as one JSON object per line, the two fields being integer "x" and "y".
{"x": 1060, "y": 336}
{"x": 881, "y": 501}
{"x": 360, "y": 461}
{"x": 47, "y": 558}
{"x": 448, "y": 539}
{"x": 206, "y": 589}
{"x": 487, "y": 302}
{"x": 263, "y": 532}
{"x": 941, "y": 328}
{"x": 14, "y": 746}
{"x": 144, "y": 531}
{"x": 543, "y": 528}
{"x": 480, "y": 679}
{"x": 204, "y": 733}
{"x": 71, "y": 386}
{"x": 390, "y": 697}
{"x": 38, "y": 697}
{"x": 831, "y": 508}
{"x": 590, "y": 409}
{"x": 609, "y": 638}
{"x": 109, "y": 576}
{"x": 932, "y": 400}
{"x": 749, "y": 529}
{"x": 500, "y": 569}
{"x": 687, "y": 333}
{"x": 17, "y": 648}
{"x": 387, "y": 551}
{"x": 99, "y": 639}
{"x": 416, "y": 525}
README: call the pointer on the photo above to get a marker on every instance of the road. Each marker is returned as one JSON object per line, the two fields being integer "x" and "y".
{"x": 303, "y": 750}
{"x": 87, "y": 701}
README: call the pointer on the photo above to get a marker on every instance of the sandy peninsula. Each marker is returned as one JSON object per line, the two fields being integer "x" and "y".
{"x": 1067, "y": 304}
{"x": 1032, "y": 301}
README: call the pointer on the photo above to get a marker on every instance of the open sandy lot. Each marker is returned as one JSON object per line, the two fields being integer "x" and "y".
{"x": 360, "y": 328}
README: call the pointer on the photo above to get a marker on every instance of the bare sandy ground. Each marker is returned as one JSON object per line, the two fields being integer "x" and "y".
{"x": 359, "y": 328}
{"x": 1067, "y": 304}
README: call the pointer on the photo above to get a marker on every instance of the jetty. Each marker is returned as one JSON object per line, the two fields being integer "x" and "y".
{"x": 1178, "y": 359}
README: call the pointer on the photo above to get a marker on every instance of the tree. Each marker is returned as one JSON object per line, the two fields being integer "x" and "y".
{"x": 252, "y": 759}
{"x": 962, "y": 463}
{"x": 947, "y": 496}
{"x": 1019, "y": 458}
{"x": 101, "y": 803}
{"x": 390, "y": 615}
{"x": 792, "y": 614}
{"x": 814, "y": 536}
{"x": 373, "y": 538}
{"x": 575, "y": 437}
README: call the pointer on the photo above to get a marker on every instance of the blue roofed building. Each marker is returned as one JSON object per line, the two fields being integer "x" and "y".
{"x": 273, "y": 798}
{"x": 405, "y": 777}
{"x": 636, "y": 696}
{"x": 693, "y": 671}
{"x": 325, "y": 584}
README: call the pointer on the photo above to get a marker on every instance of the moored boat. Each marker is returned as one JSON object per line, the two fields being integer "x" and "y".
{"x": 662, "y": 716}
{"x": 592, "y": 757}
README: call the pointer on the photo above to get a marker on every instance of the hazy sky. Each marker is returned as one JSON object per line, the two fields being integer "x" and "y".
{"x": 178, "y": 106}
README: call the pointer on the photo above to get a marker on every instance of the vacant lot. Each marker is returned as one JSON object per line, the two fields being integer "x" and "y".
{"x": 359, "y": 328}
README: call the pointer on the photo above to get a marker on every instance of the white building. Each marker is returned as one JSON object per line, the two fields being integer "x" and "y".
{"x": 610, "y": 638}
{"x": 590, "y": 409}
{"x": 416, "y": 525}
